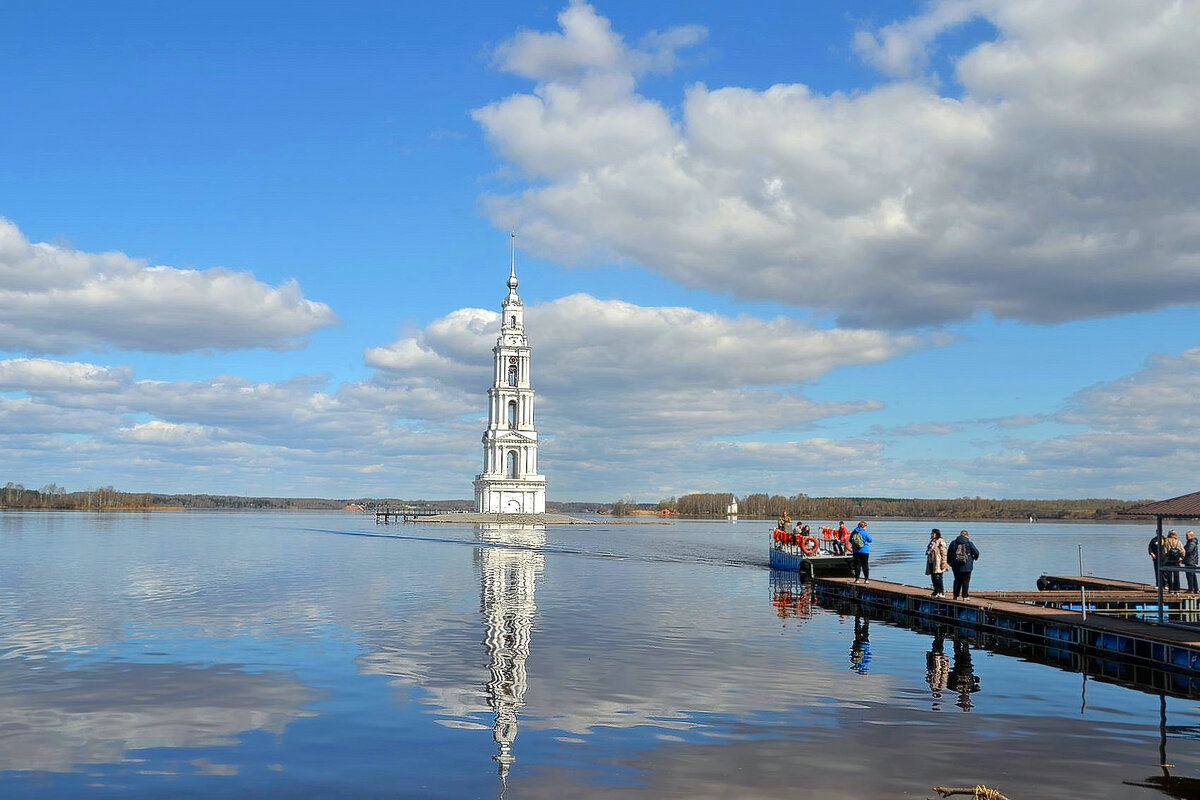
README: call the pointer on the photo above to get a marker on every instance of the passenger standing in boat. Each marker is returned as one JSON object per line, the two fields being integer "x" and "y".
{"x": 1191, "y": 558}
{"x": 962, "y": 555}
{"x": 837, "y": 543}
{"x": 860, "y": 546}
{"x": 843, "y": 538}
{"x": 935, "y": 561}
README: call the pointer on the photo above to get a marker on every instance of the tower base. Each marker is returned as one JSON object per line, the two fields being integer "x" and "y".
{"x": 510, "y": 495}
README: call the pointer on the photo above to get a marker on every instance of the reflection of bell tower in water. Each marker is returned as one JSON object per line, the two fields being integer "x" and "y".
{"x": 510, "y": 562}
{"x": 510, "y": 483}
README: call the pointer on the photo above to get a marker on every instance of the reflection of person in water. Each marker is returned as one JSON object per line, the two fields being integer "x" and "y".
{"x": 860, "y": 651}
{"x": 962, "y": 675}
{"x": 937, "y": 670}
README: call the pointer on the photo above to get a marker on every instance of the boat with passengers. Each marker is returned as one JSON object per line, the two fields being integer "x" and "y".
{"x": 797, "y": 551}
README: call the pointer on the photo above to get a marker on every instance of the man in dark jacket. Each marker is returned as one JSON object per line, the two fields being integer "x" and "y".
{"x": 1160, "y": 577}
{"x": 1191, "y": 558}
{"x": 962, "y": 555}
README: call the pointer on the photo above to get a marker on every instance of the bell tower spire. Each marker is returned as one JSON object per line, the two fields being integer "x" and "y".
{"x": 510, "y": 483}
{"x": 512, "y": 272}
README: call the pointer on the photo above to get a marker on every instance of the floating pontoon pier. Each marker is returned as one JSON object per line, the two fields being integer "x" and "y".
{"x": 387, "y": 516}
{"x": 1049, "y": 618}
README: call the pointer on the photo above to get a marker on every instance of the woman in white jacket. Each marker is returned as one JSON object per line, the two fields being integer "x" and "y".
{"x": 935, "y": 561}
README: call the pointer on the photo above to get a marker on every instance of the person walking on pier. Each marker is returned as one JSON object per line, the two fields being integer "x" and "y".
{"x": 1191, "y": 558}
{"x": 935, "y": 561}
{"x": 860, "y": 546}
{"x": 962, "y": 555}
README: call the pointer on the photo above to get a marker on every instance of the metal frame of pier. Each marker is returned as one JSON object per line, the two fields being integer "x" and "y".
{"x": 387, "y": 516}
{"x": 1170, "y": 648}
{"x": 1186, "y": 506}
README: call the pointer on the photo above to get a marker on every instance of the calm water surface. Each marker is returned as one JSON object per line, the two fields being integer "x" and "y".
{"x": 318, "y": 655}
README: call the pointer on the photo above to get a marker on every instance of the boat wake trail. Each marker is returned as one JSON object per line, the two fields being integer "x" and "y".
{"x": 737, "y": 558}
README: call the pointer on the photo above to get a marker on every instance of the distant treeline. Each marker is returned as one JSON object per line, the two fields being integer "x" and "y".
{"x": 106, "y": 498}
{"x": 798, "y": 507}
{"x": 803, "y": 507}
{"x": 53, "y": 496}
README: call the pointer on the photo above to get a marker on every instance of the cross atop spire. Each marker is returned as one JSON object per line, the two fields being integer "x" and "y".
{"x": 512, "y": 273}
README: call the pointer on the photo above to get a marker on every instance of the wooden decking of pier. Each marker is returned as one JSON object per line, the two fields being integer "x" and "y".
{"x": 1037, "y": 617}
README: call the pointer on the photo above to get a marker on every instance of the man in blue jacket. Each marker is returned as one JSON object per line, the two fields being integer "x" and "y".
{"x": 860, "y": 546}
{"x": 962, "y": 555}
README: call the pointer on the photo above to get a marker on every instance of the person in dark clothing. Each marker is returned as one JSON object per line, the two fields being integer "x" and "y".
{"x": 962, "y": 678}
{"x": 1152, "y": 549}
{"x": 1191, "y": 558}
{"x": 962, "y": 555}
{"x": 860, "y": 651}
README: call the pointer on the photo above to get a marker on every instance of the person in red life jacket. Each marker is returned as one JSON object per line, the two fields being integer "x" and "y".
{"x": 841, "y": 539}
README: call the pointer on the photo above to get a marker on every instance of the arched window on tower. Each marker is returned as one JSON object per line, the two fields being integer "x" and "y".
{"x": 513, "y": 320}
{"x": 512, "y": 413}
{"x": 512, "y": 463}
{"x": 512, "y": 374}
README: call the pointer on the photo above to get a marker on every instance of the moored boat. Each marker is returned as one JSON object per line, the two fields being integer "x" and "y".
{"x": 796, "y": 552}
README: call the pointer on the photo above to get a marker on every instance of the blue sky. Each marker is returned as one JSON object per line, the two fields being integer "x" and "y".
{"x": 906, "y": 249}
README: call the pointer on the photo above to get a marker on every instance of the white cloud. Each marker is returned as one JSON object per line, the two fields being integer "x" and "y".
{"x": 919, "y": 429}
{"x": 588, "y": 45}
{"x": 1059, "y": 184}
{"x": 660, "y": 401}
{"x": 902, "y": 48}
{"x": 44, "y": 375}
{"x": 54, "y": 300}
{"x": 628, "y": 396}
{"x": 1135, "y": 435}
{"x": 634, "y": 396}
{"x": 162, "y": 433}
{"x": 583, "y": 339}
{"x": 1162, "y": 397}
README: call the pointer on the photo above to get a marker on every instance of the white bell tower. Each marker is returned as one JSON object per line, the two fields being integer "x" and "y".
{"x": 510, "y": 483}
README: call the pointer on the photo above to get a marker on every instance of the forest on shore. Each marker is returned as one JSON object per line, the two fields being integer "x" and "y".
{"x": 53, "y": 497}
{"x": 697, "y": 505}
{"x": 803, "y": 507}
